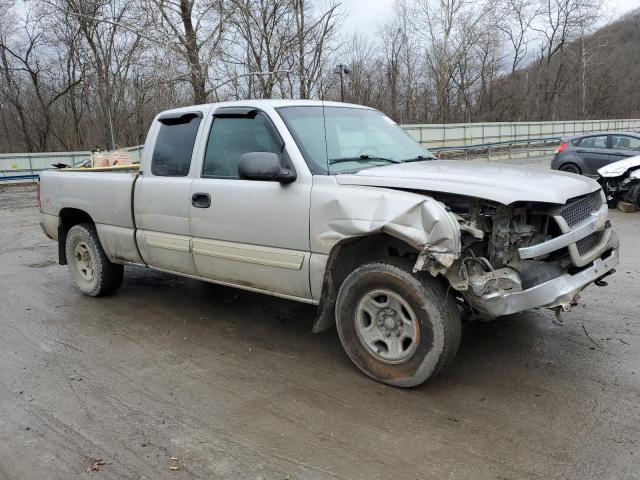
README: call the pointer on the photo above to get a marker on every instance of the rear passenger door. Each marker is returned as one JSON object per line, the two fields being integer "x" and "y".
{"x": 624, "y": 146}
{"x": 594, "y": 152}
{"x": 253, "y": 234}
{"x": 161, "y": 195}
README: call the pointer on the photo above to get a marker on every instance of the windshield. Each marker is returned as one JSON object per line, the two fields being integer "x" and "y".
{"x": 349, "y": 139}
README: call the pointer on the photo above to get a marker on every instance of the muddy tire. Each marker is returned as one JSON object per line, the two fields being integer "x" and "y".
{"x": 92, "y": 272}
{"x": 398, "y": 327}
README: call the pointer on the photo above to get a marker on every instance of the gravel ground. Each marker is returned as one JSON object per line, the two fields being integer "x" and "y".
{"x": 233, "y": 385}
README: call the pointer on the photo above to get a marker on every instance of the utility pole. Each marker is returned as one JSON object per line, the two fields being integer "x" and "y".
{"x": 342, "y": 70}
{"x": 113, "y": 143}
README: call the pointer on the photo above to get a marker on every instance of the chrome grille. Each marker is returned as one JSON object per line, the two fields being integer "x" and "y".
{"x": 579, "y": 210}
{"x": 589, "y": 242}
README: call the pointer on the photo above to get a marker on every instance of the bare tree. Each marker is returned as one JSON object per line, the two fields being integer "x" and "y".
{"x": 72, "y": 69}
{"x": 195, "y": 29}
{"x": 517, "y": 26}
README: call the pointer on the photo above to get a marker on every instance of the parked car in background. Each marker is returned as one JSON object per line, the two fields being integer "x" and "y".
{"x": 585, "y": 154}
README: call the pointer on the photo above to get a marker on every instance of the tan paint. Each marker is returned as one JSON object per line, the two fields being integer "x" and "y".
{"x": 272, "y": 257}
{"x": 179, "y": 243}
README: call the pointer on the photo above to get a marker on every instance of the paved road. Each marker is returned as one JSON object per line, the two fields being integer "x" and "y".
{"x": 235, "y": 386}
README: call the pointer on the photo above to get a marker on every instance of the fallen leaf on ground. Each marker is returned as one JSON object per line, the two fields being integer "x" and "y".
{"x": 96, "y": 465}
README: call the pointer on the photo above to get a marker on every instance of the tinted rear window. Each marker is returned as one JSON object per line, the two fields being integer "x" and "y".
{"x": 174, "y": 146}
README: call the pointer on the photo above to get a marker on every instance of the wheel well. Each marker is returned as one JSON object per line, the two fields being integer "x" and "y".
{"x": 572, "y": 164}
{"x": 344, "y": 258}
{"x": 69, "y": 217}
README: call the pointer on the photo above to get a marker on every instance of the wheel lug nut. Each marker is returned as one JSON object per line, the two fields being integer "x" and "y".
{"x": 387, "y": 333}
{"x": 397, "y": 333}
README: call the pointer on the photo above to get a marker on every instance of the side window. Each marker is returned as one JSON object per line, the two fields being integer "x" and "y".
{"x": 174, "y": 146}
{"x": 232, "y": 137}
{"x": 594, "y": 142}
{"x": 625, "y": 142}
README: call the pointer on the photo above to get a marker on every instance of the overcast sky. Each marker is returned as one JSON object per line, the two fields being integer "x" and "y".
{"x": 366, "y": 15}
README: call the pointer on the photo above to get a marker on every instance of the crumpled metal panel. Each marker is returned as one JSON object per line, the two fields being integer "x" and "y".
{"x": 340, "y": 212}
{"x": 618, "y": 168}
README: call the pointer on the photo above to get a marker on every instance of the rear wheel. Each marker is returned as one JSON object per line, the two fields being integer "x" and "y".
{"x": 571, "y": 168}
{"x": 92, "y": 272}
{"x": 398, "y": 327}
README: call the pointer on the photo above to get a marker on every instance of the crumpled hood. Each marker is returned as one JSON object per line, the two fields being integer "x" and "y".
{"x": 498, "y": 182}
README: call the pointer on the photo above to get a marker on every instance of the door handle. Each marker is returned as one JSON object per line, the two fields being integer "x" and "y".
{"x": 581, "y": 151}
{"x": 201, "y": 200}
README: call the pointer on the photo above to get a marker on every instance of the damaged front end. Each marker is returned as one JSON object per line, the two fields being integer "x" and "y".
{"x": 620, "y": 182}
{"x": 525, "y": 255}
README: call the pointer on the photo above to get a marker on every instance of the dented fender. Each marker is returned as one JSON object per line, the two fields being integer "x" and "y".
{"x": 340, "y": 212}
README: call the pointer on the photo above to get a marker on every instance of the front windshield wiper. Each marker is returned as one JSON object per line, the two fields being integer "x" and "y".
{"x": 361, "y": 158}
{"x": 419, "y": 158}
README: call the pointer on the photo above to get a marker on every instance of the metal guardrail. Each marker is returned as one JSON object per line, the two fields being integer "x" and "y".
{"x": 496, "y": 144}
{"x": 517, "y": 139}
{"x": 19, "y": 177}
{"x": 435, "y": 136}
{"x": 507, "y": 149}
{"x": 26, "y": 166}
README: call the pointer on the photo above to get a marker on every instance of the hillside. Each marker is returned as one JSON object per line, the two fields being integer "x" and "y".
{"x": 597, "y": 76}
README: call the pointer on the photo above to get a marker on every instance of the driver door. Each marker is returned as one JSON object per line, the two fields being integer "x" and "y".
{"x": 252, "y": 234}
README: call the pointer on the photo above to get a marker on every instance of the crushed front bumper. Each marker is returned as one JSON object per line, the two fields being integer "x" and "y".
{"x": 558, "y": 292}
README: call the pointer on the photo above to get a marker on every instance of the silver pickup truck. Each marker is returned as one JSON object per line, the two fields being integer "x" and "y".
{"x": 335, "y": 205}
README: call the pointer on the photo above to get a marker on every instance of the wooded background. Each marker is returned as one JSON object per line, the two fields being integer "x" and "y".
{"x": 69, "y": 69}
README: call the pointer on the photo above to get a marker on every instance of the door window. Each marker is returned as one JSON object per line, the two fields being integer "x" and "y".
{"x": 174, "y": 146}
{"x": 232, "y": 137}
{"x": 625, "y": 142}
{"x": 594, "y": 142}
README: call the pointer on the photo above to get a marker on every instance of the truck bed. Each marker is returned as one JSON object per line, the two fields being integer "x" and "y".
{"x": 106, "y": 196}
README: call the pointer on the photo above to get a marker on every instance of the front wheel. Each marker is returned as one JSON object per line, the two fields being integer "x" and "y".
{"x": 92, "y": 272}
{"x": 398, "y": 327}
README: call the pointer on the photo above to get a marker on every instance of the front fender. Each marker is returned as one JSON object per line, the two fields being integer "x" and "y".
{"x": 344, "y": 212}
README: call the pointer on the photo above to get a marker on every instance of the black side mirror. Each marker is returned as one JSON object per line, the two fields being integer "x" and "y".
{"x": 264, "y": 166}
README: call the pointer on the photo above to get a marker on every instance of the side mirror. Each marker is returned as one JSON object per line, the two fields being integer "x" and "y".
{"x": 264, "y": 166}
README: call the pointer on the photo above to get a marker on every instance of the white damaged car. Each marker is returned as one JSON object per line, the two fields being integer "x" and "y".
{"x": 621, "y": 182}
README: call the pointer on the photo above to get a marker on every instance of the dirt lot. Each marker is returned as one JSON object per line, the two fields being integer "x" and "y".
{"x": 234, "y": 386}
